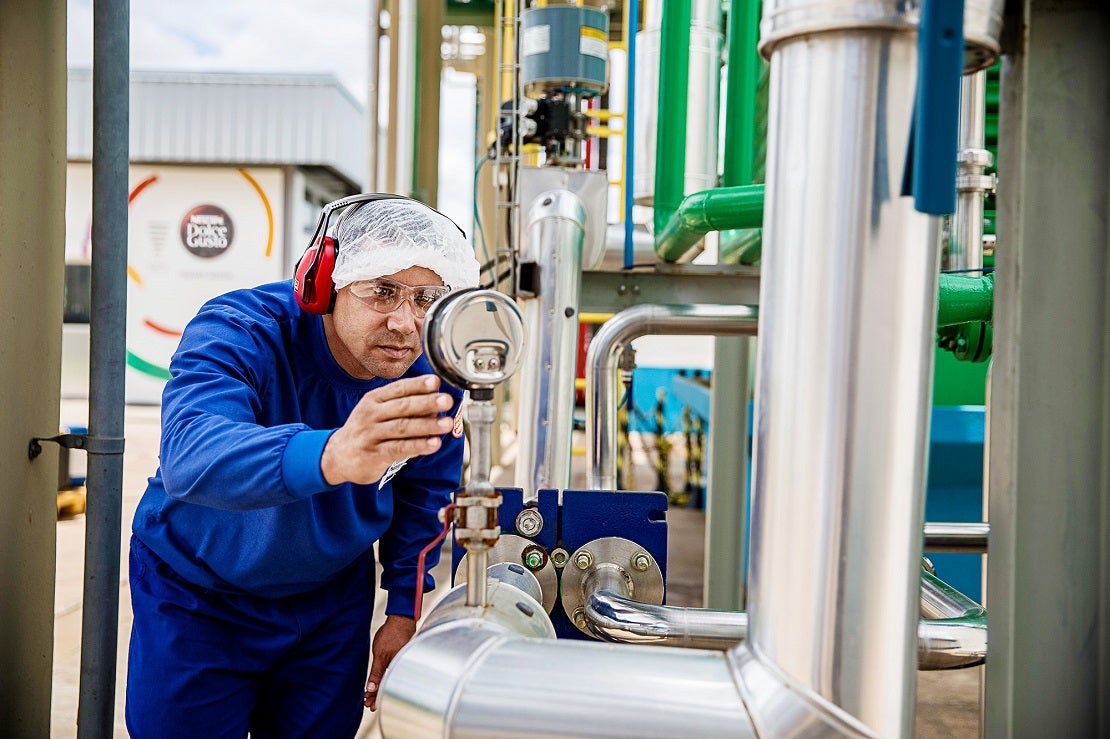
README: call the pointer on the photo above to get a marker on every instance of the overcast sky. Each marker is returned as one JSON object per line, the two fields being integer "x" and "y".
{"x": 306, "y": 36}
{"x": 319, "y": 36}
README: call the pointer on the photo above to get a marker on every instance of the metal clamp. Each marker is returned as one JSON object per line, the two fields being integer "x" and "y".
{"x": 91, "y": 444}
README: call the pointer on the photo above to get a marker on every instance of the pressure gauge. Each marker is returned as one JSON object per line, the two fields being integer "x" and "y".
{"x": 475, "y": 339}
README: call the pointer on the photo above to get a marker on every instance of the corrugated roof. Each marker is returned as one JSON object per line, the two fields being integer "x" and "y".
{"x": 232, "y": 118}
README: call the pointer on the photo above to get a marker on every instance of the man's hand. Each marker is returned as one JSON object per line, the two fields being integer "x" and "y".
{"x": 393, "y": 634}
{"x": 389, "y": 424}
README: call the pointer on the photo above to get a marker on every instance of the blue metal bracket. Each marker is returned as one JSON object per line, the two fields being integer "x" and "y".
{"x": 940, "y": 41}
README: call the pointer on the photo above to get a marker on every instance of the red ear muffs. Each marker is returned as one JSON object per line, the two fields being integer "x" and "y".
{"x": 312, "y": 283}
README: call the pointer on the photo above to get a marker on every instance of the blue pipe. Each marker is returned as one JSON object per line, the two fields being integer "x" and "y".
{"x": 630, "y": 130}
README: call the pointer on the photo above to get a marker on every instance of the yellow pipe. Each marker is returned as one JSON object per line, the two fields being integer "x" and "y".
{"x": 602, "y": 114}
{"x": 594, "y": 318}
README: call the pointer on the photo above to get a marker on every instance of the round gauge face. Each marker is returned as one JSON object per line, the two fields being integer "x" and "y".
{"x": 474, "y": 338}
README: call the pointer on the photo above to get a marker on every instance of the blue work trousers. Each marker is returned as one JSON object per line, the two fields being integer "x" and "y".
{"x": 210, "y": 664}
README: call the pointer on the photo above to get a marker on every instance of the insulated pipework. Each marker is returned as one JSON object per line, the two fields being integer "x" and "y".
{"x": 554, "y": 238}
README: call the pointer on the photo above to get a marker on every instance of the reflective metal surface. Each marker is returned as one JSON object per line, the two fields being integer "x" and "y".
{"x": 613, "y": 564}
{"x": 952, "y": 632}
{"x": 954, "y": 635}
{"x": 554, "y": 233}
{"x": 847, "y": 312}
{"x": 956, "y": 537}
{"x": 788, "y": 19}
{"x": 604, "y": 354}
{"x": 474, "y": 338}
{"x": 612, "y": 616}
{"x": 510, "y": 549}
{"x": 469, "y": 680}
{"x": 965, "y": 241}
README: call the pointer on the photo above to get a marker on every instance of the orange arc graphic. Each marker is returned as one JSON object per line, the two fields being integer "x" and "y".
{"x": 160, "y": 328}
{"x": 266, "y": 205}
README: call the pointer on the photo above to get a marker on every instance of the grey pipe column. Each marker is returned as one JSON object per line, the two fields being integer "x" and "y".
{"x": 604, "y": 353}
{"x": 107, "y": 336}
{"x": 848, "y": 266}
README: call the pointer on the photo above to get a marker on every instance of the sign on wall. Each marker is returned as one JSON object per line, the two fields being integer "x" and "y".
{"x": 193, "y": 233}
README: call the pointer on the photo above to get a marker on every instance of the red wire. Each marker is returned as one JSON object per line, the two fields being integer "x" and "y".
{"x": 420, "y": 560}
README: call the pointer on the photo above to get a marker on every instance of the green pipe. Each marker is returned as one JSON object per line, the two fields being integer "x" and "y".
{"x": 744, "y": 246}
{"x": 742, "y": 84}
{"x": 705, "y": 211}
{"x": 670, "y": 137}
{"x": 965, "y": 298}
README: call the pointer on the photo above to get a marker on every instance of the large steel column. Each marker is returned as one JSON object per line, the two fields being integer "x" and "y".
{"x": 1048, "y": 584}
{"x": 32, "y": 238}
{"x": 847, "y": 313}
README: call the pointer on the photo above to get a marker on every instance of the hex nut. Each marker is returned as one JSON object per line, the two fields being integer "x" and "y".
{"x": 583, "y": 560}
{"x": 529, "y": 522}
{"x": 641, "y": 561}
{"x": 559, "y": 557}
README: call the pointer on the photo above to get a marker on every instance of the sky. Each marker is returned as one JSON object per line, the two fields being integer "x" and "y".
{"x": 302, "y": 36}
{"x": 317, "y": 36}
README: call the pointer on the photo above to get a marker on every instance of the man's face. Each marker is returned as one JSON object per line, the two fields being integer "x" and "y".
{"x": 368, "y": 343}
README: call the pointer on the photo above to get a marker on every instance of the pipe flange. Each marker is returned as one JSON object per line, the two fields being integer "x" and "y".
{"x": 640, "y": 571}
{"x": 511, "y": 548}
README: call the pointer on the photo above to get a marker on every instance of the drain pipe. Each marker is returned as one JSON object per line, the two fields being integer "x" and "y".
{"x": 603, "y": 357}
{"x": 107, "y": 349}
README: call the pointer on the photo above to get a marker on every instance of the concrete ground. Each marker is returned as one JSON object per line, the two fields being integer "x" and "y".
{"x": 947, "y": 702}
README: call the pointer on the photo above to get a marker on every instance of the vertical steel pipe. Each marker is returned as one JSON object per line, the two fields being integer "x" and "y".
{"x": 965, "y": 242}
{"x": 849, "y": 267}
{"x": 554, "y": 236}
{"x": 107, "y": 349}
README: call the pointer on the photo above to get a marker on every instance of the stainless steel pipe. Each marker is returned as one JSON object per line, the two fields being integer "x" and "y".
{"x": 604, "y": 354}
{"x": 847, "y": 312}
{"x": 951, "y": 634}
{"x": 956, "y": 537}
{"x": 554, "y": 234}
{"x": 965, "y": 241}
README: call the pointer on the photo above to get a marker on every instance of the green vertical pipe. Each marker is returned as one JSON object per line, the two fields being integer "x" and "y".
{"x": 670, "y": 136}
{"x": 705, "y": 211}
{"x": 740, "y": 92}
{"x": 965, "y": 298}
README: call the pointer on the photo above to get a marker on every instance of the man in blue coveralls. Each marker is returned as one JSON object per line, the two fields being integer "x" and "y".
{"x": 300, "y": 427}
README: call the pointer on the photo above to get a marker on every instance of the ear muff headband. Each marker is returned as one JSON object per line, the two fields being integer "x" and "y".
{"x": 312, "y": 278}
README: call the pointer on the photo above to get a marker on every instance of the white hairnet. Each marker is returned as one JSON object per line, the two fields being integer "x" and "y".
{"x": 386, "y": 236}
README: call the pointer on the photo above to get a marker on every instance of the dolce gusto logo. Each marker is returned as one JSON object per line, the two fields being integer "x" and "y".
{"x": 207, "y": 231}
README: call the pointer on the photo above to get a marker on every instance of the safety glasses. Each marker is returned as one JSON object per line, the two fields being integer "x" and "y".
{"x": 385, "y": 295}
